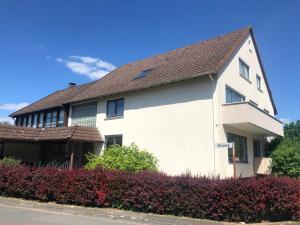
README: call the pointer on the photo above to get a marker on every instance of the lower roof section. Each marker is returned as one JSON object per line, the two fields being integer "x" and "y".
{"x": 75, "y": 133}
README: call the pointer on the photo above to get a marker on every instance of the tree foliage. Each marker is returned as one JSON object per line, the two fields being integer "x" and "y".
{"x": 129, "y": 158}
{"x": 291, "y": 131}
{"x": 286, "y": 158}
{"x": 7, "y": 161}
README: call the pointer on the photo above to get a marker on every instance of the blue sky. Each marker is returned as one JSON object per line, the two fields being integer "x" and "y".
{"x": 46, "y": 44}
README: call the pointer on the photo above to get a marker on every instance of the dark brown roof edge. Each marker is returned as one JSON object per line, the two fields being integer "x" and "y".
{"x": 16, "y": 113}
{"x": 263, "y": 71}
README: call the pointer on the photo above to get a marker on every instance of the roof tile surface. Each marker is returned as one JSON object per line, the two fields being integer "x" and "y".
{"x": 203, "y": 58}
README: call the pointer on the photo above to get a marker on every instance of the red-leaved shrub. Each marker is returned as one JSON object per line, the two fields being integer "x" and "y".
{"x": 249, "y": 200}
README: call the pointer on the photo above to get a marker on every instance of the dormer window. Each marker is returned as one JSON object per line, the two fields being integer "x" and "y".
{"x": 244, "y": 69}
{"x": 143, "y": 73}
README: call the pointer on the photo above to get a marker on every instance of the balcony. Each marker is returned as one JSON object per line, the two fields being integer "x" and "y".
{"x": 246, "y": 116}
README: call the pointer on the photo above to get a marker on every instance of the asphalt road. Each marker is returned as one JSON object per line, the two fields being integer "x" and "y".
{"x": 13, "y": 215}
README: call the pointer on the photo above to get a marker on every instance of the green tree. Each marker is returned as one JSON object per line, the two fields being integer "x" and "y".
{"x": 291, "y": 131}
{"x": 129, "y": 158}
{"x": 286, "y": 158}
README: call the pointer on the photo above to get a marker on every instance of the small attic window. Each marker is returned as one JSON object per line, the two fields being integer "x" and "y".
{"x": 143, "y": 73}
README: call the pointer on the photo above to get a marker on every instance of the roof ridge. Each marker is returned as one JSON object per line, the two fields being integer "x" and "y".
{"x": 180, "y": 48}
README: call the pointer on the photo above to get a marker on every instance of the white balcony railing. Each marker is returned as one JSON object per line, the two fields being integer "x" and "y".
{"x": 245, "y": 115}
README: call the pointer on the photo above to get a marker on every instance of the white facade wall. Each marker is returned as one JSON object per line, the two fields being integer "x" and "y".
{"x": 181, "y": 123}
{"x": 231, "y": 77}
{"x": 173, "y": 122}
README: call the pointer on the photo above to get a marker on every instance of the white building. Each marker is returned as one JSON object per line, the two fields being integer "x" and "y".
{"x": 178, "y": 105}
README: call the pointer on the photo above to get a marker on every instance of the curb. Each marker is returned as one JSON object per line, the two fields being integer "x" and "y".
{"x": 116, "y": 214}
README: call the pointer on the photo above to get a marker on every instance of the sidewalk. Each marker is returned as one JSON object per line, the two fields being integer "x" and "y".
{"x": 111, "y": 215}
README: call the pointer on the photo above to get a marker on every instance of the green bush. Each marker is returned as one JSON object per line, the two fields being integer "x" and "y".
{"x": 129, "y": 158}
{"x": 7, "y": 161}
{"x": 286, "y": 158}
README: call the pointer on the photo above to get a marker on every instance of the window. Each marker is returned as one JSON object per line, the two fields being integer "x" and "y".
{"x": 41, "y": 119}
{"x": 84, "y": 114}
{"x": 143, "y": 73}
{"x": 24, "y": 121}
{"x": 61, "y": 117}
{"x": 35, "y": 117}
{"x": 113, "y": 140}
{"x": 29, "y": 120}
{"x": 233, "y": 96}
{"x": 48, "y": 119}
{"x": 54, "y": 119}
{"x": 258, "y": 82}
{"x": 18, "y": 121}
{"x": 240, "y": 144}
{"x": 115, "y": 108}
{"x": 256, "y": 148}
{"x": 244, "y": 69}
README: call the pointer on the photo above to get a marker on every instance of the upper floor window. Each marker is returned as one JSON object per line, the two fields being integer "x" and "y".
{"x": 240, "y": 145}
{"x": 258, "y": 82}
{"x": 29, "y": 120}
{"x": 24, "y": 121}
{"x": 84, "y": 114}
{"x": 35, "y": 117}
{"x": 233, "y": 96}
{"x": 61, "y": 117}
{"x": 54, "y": 119}
{"x": 48, "y": 119}
{"x": 115, "y": 108}
{"x": 244, "y": 69}
{"x": 18, "y": 121}
{"x": 41, "y": 119}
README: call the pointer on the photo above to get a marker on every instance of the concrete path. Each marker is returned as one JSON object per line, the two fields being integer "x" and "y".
{"x": 21, "y": 212}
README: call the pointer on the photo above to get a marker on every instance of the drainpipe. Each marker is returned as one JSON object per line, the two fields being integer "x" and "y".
{"x": 213, "y": 114}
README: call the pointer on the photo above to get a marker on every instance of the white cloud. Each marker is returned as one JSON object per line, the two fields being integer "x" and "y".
{"x": 6, "y": 119}
{"x": 285, "y": 120}
{"x": 94, "y": 68}
{"x": 13, "y": 106}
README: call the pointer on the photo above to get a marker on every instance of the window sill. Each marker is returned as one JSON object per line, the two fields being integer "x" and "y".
{"x": 260, "y": 90}
{"x": 246, "y": 79}
{"x": 114, "y": 117}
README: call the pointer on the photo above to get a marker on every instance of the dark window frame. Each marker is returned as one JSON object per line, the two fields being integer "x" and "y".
{"x": 245, "y": 160}
{"x": 248, "y": 69}
{"x": 116, "y": 108}
{"x": 234, "y": 91}
{"x": 258, "y": 84}
{"x": 113, "y": 136}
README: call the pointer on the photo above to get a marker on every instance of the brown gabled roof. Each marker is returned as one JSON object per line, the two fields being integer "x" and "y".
{"x": 203, "y": 58}
{"x": 55, "y": 99}
{"x": 75, "y": 133}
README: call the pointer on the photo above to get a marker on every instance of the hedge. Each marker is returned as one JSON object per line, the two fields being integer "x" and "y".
{"x": 248, "y": 200}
